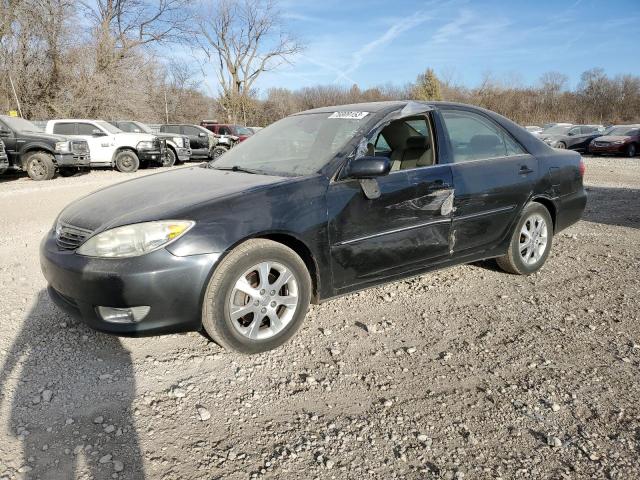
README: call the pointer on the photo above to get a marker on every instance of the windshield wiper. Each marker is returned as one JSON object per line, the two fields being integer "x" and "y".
{"x": 237, "y": 168}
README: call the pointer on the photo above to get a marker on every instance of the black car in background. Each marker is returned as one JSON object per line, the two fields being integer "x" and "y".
{"x": 574, "y": 137}
{"x": 39, "y": 154}
{"x": 4, "y": 160}
{"x": 201, "y": 140}
{"x": 319, "y": 204}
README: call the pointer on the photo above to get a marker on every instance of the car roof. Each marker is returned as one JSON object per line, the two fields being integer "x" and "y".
{"x": 77, "y": 120}
{"x": 390, "y": 105}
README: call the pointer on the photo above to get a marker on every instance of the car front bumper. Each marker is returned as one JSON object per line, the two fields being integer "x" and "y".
{"x": 172, "y": 286}
{"x": 611, "y": 148}
{"x": 73, "y": 159}
{"x": 4, "y": 163}
{"x": 151, "y": 155}
{"x": 184, "y": 154}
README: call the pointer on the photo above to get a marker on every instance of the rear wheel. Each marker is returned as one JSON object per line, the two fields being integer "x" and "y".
{"x": 530, "y": 243}
{"x": 40, "y": 166}
{"x": 257, "y": 298}
{"x": 561, "y": 145}
{"x": 631, "y": 150}
{"x": 127, "y": 161}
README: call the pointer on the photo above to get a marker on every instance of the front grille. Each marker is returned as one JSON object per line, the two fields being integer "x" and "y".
{"x": 1, "y": 147}
{"x": 79, "y": 147}
{"x": 601, "y": 144}
{"x": 187, "y": 142}
{"x": 69, "y": 237}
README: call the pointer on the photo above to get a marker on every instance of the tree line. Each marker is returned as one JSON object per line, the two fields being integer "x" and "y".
{"x": 108, "y": 59}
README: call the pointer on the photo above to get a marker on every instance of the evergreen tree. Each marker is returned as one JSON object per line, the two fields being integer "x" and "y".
{"x": 427, "y": 86}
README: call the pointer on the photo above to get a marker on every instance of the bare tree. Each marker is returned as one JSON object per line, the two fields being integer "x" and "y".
{"x": 244, "y": 39}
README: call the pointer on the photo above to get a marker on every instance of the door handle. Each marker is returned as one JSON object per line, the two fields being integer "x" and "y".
{"x": 524, "y": 170}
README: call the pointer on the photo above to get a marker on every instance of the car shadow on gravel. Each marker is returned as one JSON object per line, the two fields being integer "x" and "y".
{"x": 613, "y": 206}
{"x": 70, "y": 392}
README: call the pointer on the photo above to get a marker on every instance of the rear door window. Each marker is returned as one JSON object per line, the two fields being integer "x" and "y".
{"x": 476, "y": 137}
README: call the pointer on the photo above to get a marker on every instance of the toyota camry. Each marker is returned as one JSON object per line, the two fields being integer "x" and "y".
{"x": 320, "y": 204}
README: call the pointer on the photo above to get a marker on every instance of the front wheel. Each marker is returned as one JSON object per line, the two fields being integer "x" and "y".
{"x": 530, "y": 243}
{"x": 40, "y": 166}
{"x": 218, "y": 152}
{"x": 127, "y": 161}
{"x": 170, "y": 158}
{"x": 257, "y": 298}
{"x": 561, "y": 146}
{"x": 630, "y": 151}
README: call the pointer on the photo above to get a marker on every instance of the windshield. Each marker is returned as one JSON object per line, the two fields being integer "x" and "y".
{"x": 296, "y": 145}
{"x": 108, "y": 127}
{"x": 622, "y": 131}
{"x": 21, "y": 125}
{"x": 240, "y": 130}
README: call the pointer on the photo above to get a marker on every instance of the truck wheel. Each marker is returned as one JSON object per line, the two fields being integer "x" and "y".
{"x": 40, "y": 166}
{"x": 257, "y": 297}
{"x": 218, "y": 152}
{"x": 127, "y": 161}
{"x": 170, "y": 159}
{"x": 630, "y": 151}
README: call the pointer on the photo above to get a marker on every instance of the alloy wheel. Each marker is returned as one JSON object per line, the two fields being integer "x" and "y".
{"x": 533, "y": 239}
{"x": 263, "y": 300}
{"x": 37, "y": 168}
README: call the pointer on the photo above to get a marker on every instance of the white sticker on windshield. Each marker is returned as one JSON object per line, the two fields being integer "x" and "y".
{"x": 349, "y": 115}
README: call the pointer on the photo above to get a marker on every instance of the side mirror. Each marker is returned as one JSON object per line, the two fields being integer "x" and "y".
{"x": 202, "y": 134}
{"x": 368, "y": 167}
{"x": 97, "y": 133}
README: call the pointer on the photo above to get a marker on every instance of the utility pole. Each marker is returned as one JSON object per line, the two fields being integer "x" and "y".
{"x": 166, "y": 105}
{"x": 15, "y": 95}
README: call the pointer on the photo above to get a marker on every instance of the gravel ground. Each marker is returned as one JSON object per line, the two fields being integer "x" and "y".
{"x": 463, "y": 373}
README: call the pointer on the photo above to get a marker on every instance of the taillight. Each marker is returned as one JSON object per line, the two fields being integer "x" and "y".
{"x": 581, "y": 167}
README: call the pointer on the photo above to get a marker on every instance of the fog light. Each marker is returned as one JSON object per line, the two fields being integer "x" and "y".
{"x": 123, "y": 315}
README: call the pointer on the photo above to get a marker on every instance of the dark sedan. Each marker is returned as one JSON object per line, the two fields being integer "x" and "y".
{"x": 621, "y": 139}
{"x": 574, "y": 137}
{"x": 319, "y": 204}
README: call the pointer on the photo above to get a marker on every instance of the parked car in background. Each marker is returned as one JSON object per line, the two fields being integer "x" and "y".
{"x": 178, "y": 146}
{"x": 201, "y": 140}
{"x": 110, "y": 146}
{"x": 547, "y": 126}
{"x": 533, "y": 129}
{"x": 319, "y": 204}
{"x": 575, "y": 137}
{"x": 620, "y": 139}
{"x": 222, "y": 129}
{"x": 40, "y": 155}
{"x": 4, "y": 160}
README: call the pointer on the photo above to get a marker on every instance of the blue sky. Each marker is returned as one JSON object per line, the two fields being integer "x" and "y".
{"x": 373, "y": 42}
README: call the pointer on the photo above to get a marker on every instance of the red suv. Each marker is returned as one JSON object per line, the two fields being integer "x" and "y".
{"x": 623, "y": 139}
{"x": 226, "y": 129}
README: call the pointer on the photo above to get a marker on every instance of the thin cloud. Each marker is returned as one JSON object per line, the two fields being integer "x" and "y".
{"x": 393, "y": 32}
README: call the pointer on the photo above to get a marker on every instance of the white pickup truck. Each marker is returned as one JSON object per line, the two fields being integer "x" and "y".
{"x": 111, "y": 147}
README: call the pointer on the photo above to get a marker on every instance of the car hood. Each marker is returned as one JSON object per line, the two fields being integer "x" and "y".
{"x": 45, "y": 136}
{"x": 168, "y": 195}
{"x": 611, "y": 138}
{"x": 140, "y": 137}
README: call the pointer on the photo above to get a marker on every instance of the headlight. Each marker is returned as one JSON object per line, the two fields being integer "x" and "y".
{"x": 134, "y": 240}
{"x": 178, "y": 141}
{"x": 63, "y": 147}
{"x": 146, "y": 145}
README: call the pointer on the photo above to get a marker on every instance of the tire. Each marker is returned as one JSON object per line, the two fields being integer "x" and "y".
{"x": 561, "y": 146}
{"x": 217, "y": 152}
{"x": 222, "y": 297}
{"x": 631, "y": 150}
{"x": 514, "y": 260}
{"x": 40, "y": 166}
{"x": 170, "y": 159}
{"x": 127, "y": 161}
